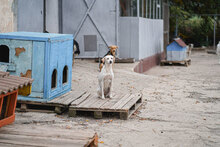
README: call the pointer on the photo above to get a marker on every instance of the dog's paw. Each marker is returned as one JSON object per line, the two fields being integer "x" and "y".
{"x": 110, "y": 96}
{"x": 103, "y": 97}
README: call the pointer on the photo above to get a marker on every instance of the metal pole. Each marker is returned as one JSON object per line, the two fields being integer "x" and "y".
{"x": 150, "y": 10}
{"x": 214, "y": 35}
{"x": 60, "y": 15}
{"x": 44, "y": 17}
{"x": 156, "y": 9}
{"x": 176, "y": 32}
{"x": 138, "y": 8}
{"x": 117, "y": 25}
{"x": 160, "y": 10}
{"x": 146, "y": 8}
{"x": 142, "y": 8}
{"x": 153, "y": 9}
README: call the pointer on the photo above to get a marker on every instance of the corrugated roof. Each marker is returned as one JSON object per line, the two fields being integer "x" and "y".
{"x": 180, "y": 42}
{"x": 3, "y": 74}
{"x": 9, "y": 83}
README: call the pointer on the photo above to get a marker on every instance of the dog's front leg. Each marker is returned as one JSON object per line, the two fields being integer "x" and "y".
{"x": 110, "y": 90}
{"x": 102, "y": 89}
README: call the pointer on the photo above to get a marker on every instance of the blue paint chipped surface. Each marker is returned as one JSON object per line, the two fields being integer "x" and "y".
{"x": 44, "y": 52}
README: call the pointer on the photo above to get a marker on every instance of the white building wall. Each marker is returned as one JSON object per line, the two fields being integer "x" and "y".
{"x": 129, "y": 37}
{"x": 150, "y": 37}
{"x": 140, "y": 38}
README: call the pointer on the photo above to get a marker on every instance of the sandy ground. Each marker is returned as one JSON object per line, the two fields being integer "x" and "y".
{"x": 181, "y": 105}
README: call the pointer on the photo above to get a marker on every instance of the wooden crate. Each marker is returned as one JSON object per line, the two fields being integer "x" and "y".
{"x": 123, "y": 104}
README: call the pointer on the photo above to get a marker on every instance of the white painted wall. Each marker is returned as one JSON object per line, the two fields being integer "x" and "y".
{"x": 150, "y": 37}
{"x": 129, "y": 37}
{"x": 140, "y": 37}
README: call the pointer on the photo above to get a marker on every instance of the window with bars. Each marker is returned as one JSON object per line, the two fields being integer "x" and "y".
{"x": 141, "y": 8}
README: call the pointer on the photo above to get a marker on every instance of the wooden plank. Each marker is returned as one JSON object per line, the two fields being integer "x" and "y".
{"x": 70, "y": 97}
{"x": 73, "y": 97}
{"x": 40, "y": 141}
{"x": 137, "y": 105}
{"x": 37, "y": 130}
{"x": 58, "y": 99}
{"x": 35, "y": 110}
{"x": 87, "y": 101}
{"x": 93, "y": 100}
{"x": 111, "y": 102}
{"x": 46, "y": 136}
{"x": 122, "y": 101}
{"x": 80, "y": 100}
{"x": 132, "y": 101}
{"x": 98, "y": 103}
{"x": 62, "y": 98}
{"x": 182, "y": 61}
{"x": 39, "y": 103}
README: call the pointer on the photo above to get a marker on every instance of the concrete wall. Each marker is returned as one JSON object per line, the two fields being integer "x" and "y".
{"x": 7, "y": 16}
{"x": 140, "y": 37}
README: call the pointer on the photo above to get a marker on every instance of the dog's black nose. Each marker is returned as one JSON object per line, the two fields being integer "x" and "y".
{"x": 110, "y": 62}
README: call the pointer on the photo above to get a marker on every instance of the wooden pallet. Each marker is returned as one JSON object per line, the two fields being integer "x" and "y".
{"x": 57, "y": 105}
{"x": 119, "y": 60}
{"x": 123, "y": 104}
{"x": 23, "y": 135}
{"x": 186, "y": 62}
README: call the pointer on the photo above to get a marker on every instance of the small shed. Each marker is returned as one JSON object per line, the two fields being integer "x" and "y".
{"x": 176, "y": 51}
{"x": 10, "y": 87}
{"x": 44, "y": 57}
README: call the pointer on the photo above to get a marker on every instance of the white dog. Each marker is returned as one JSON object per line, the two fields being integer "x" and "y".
{"x": 106, "y": 77}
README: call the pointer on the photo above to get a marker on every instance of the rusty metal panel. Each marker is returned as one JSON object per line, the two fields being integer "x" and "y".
{"x": 9, "y": 83}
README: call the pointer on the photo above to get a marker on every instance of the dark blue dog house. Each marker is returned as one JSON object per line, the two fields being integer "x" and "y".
{"x": 44, "y": 57}
{"x": 176, "y": 51}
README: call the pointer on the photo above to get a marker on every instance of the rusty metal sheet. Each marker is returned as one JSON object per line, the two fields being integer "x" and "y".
{"x": 9, "y": 83}
{"x": 180, "y": 42}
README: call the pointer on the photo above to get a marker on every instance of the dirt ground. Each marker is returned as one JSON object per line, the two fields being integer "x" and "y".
{"x": 181, "y": 105}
